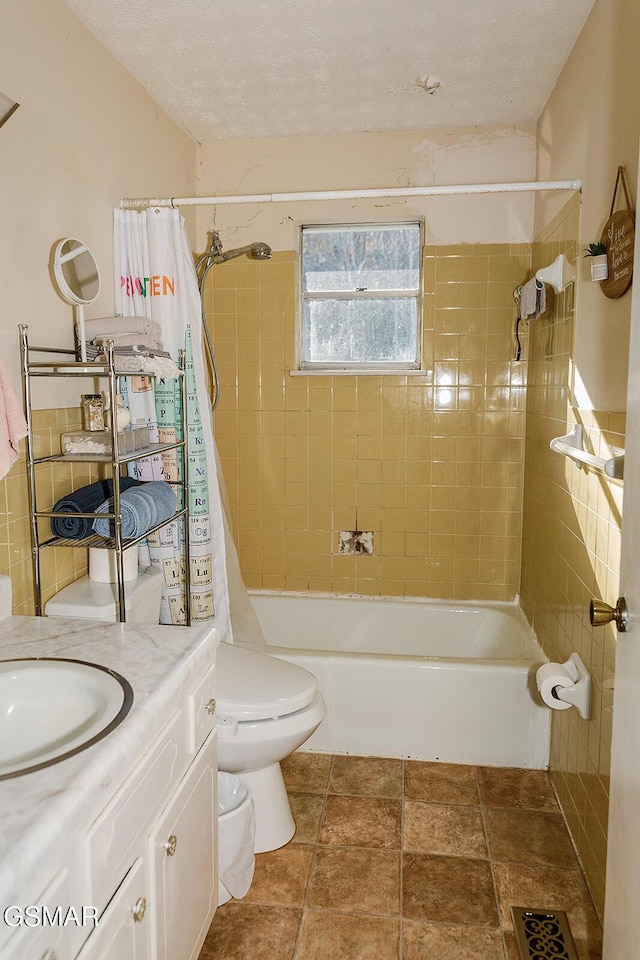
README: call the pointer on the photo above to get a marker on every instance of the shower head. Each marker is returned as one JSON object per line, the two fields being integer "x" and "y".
{"x": 261, "y": 251}
{"x": 256, "y": 251}
{"x": 215, "y": 254}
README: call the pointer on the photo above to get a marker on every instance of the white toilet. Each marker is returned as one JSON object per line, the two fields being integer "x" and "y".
{"x": 266, "y": 707}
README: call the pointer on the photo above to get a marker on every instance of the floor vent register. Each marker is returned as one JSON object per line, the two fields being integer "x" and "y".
{"x": 541, "y": 935}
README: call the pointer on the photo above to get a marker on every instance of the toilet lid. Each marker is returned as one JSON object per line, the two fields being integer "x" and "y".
{"x": 257, "y": 686}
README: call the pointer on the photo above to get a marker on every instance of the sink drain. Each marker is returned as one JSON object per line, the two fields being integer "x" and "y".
{"x": 541, "y": 935}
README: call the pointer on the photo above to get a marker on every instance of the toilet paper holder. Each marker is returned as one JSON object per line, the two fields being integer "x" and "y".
{"x": 577, "y": 693}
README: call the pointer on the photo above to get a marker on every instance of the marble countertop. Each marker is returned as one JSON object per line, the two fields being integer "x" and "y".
{"x": 40, "y": 809}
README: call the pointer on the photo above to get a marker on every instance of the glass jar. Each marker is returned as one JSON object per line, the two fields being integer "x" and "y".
{"x": 92, "y": 411}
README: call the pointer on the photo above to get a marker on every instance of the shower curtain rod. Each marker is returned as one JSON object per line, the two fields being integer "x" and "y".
{"x": 129, "y": 203}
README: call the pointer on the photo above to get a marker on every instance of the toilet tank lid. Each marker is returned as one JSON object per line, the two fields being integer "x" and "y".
{"x": 91, "y": 599}
{"x": 257, "y": 686}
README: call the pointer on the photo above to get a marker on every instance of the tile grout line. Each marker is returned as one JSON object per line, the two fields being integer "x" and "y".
{"x": 575, "y": 847}
{"x": 490, "y": 861}
{"x": 313, "y": 862}
{"x": 401, "y": 891}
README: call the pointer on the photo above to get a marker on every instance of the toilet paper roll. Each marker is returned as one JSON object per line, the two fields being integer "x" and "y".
{"x": 548, "y": 677}
{"x": 102, "y": 564}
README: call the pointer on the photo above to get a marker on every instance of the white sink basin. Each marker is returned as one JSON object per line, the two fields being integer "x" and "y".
{"x": 51, "y": 709}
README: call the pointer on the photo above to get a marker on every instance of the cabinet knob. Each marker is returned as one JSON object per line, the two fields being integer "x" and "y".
{"x": 171, "y": 844}
{"x": 210, "y": 707}
{"x": 138, "y": 910}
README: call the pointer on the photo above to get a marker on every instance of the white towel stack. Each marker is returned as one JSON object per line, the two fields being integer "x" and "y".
{"x": 124, "y": 331}
{"x": 137, "y": 343}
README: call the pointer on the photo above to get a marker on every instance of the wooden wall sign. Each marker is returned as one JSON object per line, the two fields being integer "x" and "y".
{"x": 618, "y": 238}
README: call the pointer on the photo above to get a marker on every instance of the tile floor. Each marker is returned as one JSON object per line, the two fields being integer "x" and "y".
{"x": 404, "y": 860}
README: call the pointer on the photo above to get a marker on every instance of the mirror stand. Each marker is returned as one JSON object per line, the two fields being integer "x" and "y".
{"x": 78, "y": 280}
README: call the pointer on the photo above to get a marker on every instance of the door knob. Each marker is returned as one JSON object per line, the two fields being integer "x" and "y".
{"x": 601, "y": 613}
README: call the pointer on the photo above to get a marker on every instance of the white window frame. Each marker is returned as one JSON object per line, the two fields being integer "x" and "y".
{"x": 356, "y": 367}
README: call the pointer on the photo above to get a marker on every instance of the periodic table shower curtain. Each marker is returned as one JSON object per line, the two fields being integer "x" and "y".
{"x": 154, "y": 277}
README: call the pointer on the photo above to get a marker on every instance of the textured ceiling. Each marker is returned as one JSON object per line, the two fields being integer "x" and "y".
{"x": 236, "y": 69}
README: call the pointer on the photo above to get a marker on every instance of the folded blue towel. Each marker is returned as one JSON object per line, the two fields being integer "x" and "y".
{"x": 140, "y": 509}
{"x": 84, "y": 500}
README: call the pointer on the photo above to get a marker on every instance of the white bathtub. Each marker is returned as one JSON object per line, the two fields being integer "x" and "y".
{"x": 419, "y": 679}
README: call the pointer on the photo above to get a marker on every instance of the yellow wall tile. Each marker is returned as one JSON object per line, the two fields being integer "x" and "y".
{"x": 570, "y": 551}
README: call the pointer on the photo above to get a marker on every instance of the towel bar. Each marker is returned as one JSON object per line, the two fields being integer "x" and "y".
{"x": 558, "y": 274}
{"x": 571, "y": 445}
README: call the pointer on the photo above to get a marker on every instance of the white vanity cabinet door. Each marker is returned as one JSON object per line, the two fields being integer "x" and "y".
{"x": 124, "y": 930}
{"x": 111, "y": 844}
{"x": 183, "y": 861}
{"x": 46, "y": 941}
{"x": 202, "y": 711}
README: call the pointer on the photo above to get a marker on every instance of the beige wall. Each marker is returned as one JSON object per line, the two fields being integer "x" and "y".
{"x": 85, "y": 135}
{"x": 367, "y": 161}
{"x": 588, "y": 128}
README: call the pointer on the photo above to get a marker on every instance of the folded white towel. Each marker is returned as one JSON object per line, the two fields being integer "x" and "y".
{"x": 130, "y": 340}
{"x": 13, "y": 426}
{"x": 164, "y": 368}
{"x": 133, "y": 349}
{"x": 106, "y": 326}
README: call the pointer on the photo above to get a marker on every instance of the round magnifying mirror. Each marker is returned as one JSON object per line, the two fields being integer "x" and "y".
{"x": 78, "y": 278}
{"x": 76, "y": 272}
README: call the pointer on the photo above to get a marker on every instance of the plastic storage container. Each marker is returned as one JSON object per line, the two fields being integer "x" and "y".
{"x": 103, "y": 564}
{"x": 98, "y": 442}
{"x": 236, "y": 834}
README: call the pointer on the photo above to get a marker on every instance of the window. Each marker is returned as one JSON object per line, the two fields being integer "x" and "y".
{"x": 361, "y": 305}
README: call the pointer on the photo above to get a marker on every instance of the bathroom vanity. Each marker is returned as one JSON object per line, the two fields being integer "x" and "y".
{"x": 124, "y": 830}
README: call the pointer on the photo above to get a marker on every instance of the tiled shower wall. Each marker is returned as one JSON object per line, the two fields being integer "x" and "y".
{"x": 431, "y": 464}
{"x": 571, "y": 552}
{"x": 58, "y": 567}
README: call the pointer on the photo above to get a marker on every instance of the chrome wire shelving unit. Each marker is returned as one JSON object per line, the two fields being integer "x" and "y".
{"x": 113, "y": 461}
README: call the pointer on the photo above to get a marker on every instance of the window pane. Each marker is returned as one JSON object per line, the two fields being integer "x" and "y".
{"x": 360, "y": 331}
{"x": 365, "y": 258}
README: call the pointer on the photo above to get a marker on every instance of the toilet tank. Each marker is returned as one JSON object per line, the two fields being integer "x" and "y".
{"x": 91, "y": 600}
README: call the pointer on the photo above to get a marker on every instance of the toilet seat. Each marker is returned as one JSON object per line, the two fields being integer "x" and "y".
{"x": 256, "y": 686}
